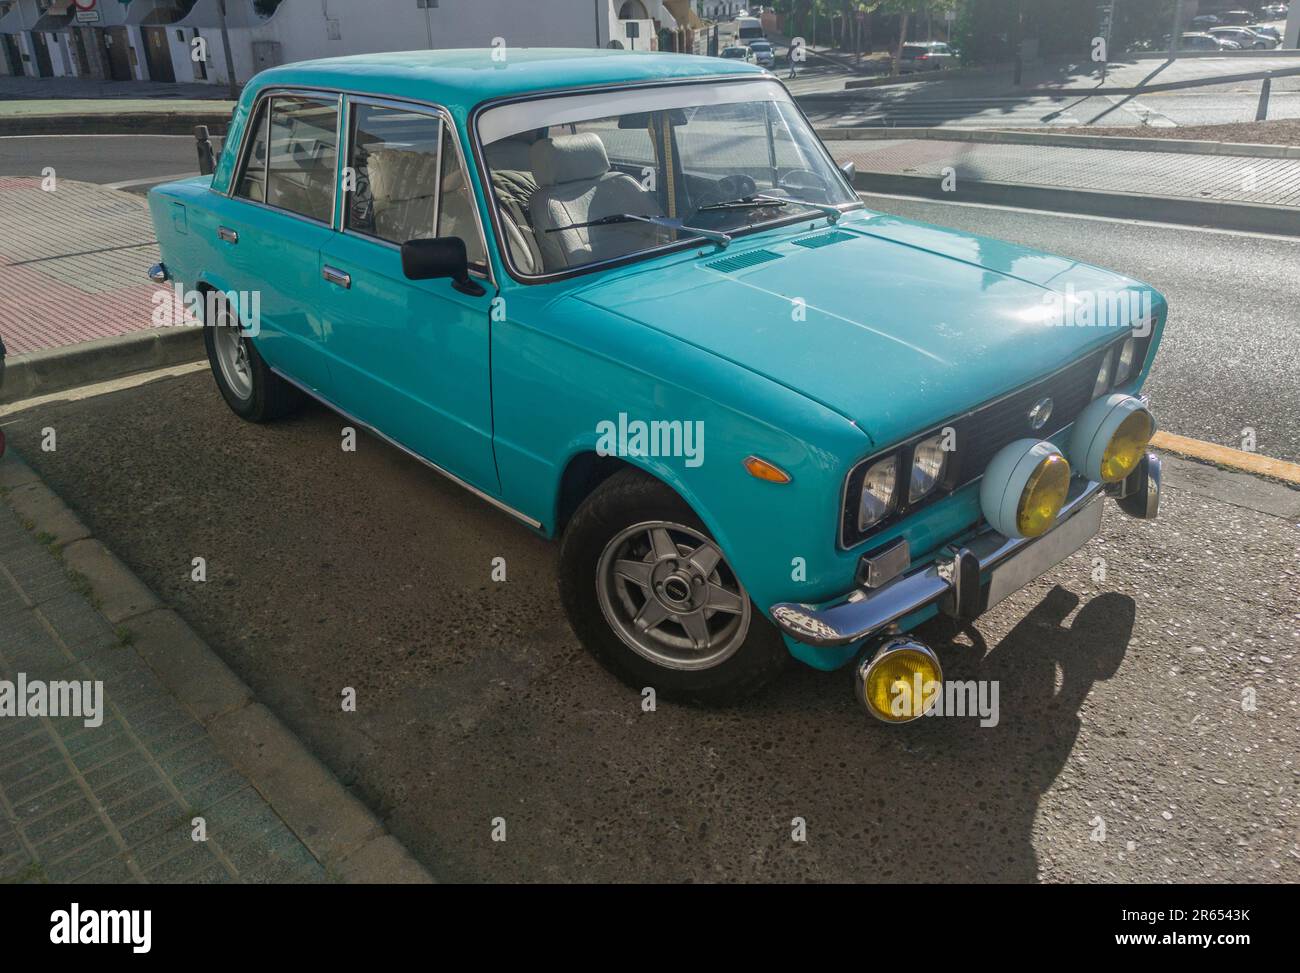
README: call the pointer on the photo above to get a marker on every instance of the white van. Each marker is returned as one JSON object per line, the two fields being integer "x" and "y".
{"x": 749, "y": 29}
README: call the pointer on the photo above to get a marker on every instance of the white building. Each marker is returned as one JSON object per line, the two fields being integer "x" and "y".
{"x": 166, "y": 40}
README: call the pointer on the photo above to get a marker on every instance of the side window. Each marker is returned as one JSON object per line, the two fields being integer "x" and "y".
{"x": 303, "y": 155}
{"x": 407, "y": 180}
{"x": 252, "y": 181}
{"x": 456, "y": 211}
{"x": 394, "y": 173}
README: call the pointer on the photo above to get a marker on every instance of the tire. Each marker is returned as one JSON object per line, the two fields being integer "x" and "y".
{"x": 252, "y": 391}
{"x": 612, "y": 527}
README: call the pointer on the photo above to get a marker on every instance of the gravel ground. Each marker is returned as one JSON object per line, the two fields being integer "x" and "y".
{"x": 1120, "y": 699}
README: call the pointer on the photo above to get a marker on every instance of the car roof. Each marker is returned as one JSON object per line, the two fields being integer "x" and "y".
{"x": 461, "y": 78}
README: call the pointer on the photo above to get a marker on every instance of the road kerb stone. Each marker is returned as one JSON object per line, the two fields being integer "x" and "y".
{"x": 120, "y": 593}
{"x": 38, "y": 505}
{"x": 383, "y": 860}
{"x": 327, "y": 819}
{"x": 187, "y": 667}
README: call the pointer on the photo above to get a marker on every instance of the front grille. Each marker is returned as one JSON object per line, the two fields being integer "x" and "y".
{"x": 985, "y": 431}
{"x": 981, "y": 433}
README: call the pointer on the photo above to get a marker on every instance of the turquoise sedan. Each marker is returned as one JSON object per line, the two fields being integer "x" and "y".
{"x": 628, "y": 299}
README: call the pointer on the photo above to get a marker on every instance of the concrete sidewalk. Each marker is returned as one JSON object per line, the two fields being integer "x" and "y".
{"x": 180, "y": 737}
{"x": 1258, "y": 180}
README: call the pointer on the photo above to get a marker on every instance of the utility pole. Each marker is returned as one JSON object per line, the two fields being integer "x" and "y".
{"x": 1176, "y": 34}
{"x": 225, "y": 44}
{"x": 1020, "y": 44}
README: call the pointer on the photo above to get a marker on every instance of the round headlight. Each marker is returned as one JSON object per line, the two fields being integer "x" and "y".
{"x": 1102, "y": 385}
{"x": 1024, "y": 488}
{"x": 901, "y": 682}
{"x": 928, "y": 460}
{"x": 1110, "y": 437}
{"x": 878, "y": 488}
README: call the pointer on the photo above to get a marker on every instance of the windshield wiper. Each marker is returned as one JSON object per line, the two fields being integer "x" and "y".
{"x": 721, "y": 239}
{"x": 832, "y": 213}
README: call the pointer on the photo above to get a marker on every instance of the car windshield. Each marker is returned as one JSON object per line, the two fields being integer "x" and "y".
{"x": 582, "y": 179}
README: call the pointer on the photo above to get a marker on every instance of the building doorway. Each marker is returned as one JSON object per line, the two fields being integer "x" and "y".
{"x": 14, "y": 55}
{"x": 44, "y": 69}
{"x": 119, "y": 54}
{"x": 158, "y": 54}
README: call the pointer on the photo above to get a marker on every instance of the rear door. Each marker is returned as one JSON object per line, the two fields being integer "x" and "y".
{"x": 409, "y": 358}
{"x": 270, "y": 230}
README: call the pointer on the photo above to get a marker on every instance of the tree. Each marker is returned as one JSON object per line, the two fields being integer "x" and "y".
{"x": 906, "y": 9}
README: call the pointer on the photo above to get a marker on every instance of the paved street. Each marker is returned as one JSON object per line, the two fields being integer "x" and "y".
{"x": 329, "y": 570}
{"x": 138, "y": 161}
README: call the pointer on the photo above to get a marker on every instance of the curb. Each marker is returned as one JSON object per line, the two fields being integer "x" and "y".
{"x": 1046, "y": 91}
{"x": 1008, "y": 137}
{"x": 1281, "y": 220}
{"x": 130, "y": 123}
{"x": 341, "y": 832}
{"x": 103, "y": 359}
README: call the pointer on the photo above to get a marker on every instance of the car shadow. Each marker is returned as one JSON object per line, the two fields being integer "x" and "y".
{"x": 974, "y": 791}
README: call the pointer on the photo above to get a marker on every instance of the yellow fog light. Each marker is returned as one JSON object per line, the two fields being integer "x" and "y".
{"x": 1110, "y": 438}
{"x": 901, "y": 682}
{"x": 1024, "y": 487}
{"x": 1043, "y": 496}
{"x": 1127, "y": 446}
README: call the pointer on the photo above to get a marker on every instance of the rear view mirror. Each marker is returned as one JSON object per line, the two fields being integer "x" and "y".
{"x": 850, "y": 170}
{"x": 443, "y": 256}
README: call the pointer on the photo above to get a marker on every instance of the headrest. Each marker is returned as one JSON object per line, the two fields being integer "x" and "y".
{"x": 568, "y": 158}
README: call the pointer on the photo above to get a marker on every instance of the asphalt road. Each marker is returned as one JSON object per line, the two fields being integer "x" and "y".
{"x": 1118, "y": 698}
{"x": 142, "y": 160}
{"x": 1230, "y": 358}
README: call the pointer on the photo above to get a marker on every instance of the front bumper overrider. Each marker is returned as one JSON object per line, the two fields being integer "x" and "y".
{"x": 956, "y": 579}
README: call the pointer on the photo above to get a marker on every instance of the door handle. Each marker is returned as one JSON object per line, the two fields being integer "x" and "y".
{"x": 227, "y": 234}
{"x": 336, "y": 276}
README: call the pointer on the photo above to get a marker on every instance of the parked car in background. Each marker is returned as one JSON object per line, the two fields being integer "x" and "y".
{"x": 1272, "y": 32}
{"x": 1205, "y": 22}
{"x": 1206, "y": 42}
{"x": 1239, "y": 18}
{"x": 926, "y": 56}
{"x": 763, "y": 54}
{"x": 736, "y": 54}
{"x": 631, "y": 301}
{"x": 1246, "y": 37}
{"x": 1275, "y": 10}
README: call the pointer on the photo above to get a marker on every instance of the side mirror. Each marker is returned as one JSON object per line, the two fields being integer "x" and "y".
{"x": 849, "y": 170}
{"x": 442, "y": 256}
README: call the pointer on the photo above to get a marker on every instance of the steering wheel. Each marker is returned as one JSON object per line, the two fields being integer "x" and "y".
{"x": 728, "y": 188}
{"x": 803, "y": 181}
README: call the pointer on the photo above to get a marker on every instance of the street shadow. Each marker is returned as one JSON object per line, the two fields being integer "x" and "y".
{"x": 1044, "y": 669}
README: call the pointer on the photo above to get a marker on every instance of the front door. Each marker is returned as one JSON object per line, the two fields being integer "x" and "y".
{"x": 119, "y": 54}
{"x": 409, "y": 358}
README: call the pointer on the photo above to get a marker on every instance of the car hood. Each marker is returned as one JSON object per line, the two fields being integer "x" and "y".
{"x": 893, "y": 324}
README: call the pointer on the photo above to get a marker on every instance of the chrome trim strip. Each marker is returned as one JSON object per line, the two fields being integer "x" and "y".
{"x": 865, "y": 613}
{"x": 536, "y": 524}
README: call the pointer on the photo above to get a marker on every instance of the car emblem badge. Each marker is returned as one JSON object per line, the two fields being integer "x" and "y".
{"x": 1040, "y": 413}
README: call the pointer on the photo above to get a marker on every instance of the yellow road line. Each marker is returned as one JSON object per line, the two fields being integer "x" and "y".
{"x": 1225, "y": 456}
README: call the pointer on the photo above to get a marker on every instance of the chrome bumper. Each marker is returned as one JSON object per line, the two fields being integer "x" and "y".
{"x": 954, "y": 580}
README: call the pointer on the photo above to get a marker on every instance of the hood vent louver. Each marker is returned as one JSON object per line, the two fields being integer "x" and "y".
{"x": 823, "y": 239}
{"x": 742, "y": 261}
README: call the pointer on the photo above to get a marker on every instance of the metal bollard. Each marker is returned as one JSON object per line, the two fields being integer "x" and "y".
{"x": 1261, "y": 113}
